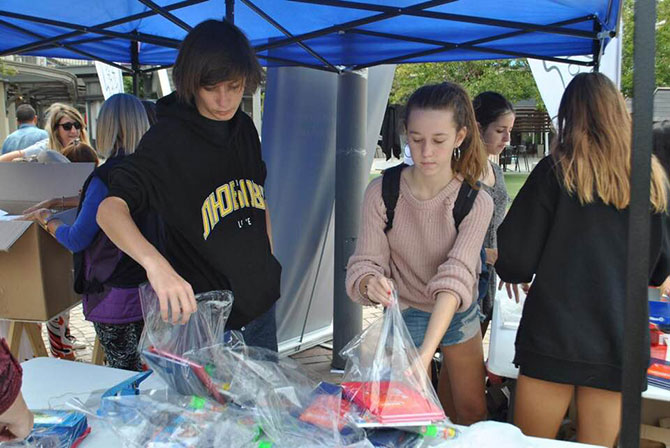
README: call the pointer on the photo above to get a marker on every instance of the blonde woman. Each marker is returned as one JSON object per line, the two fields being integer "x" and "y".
{"x": 568, "y": 228}
{"x": 108, "y": 279}
{"x": 64, "y": 125}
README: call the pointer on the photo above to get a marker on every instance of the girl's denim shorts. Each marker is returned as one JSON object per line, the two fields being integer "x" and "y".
{"x": 464, "y": 326}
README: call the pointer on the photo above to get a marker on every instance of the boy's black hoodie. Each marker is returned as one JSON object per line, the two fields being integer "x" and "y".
{"x": 205, "y": 179}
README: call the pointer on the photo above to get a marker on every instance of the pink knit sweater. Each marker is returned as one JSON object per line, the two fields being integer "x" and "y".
{"x": 423, "y": 253}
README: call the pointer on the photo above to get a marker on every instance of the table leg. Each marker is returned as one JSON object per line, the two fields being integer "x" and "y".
{"x": 36, "y": 341}
{"x": 98, "y": 357}
{"x": 14, "y": 337}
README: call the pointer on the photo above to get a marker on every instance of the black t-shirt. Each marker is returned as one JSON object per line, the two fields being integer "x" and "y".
{"x": 205, "y": 180}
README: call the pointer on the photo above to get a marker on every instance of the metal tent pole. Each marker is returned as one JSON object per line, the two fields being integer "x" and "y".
{"x": 135, "y": 65}
{"x": 637, "y": 276}
{"x": 230, "y": 11}
{"x": 350, "y": 180}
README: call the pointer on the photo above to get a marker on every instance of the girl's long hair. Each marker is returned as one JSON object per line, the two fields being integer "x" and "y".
{"x": 593, "y": 147}
{"x": 470, "y": 159}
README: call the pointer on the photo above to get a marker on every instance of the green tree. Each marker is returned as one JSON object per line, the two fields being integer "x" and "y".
{"x": 510, "y": 77}
{"x": 662, "y": 45}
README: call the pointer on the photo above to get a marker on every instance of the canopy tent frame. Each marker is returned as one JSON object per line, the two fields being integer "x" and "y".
{"x": 643, "y": 88}
{"x": 385, "y": 13}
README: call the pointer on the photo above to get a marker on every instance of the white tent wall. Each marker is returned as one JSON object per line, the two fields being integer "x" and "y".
{"x": 552, "y": 77}
{"x": 299, "y": 129}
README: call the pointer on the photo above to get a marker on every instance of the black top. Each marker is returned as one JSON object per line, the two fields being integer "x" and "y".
{"x": 205, "y": 179}
{"x": 571, "y": 330}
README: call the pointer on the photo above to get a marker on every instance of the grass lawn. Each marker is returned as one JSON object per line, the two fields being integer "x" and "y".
{"x": 514, "y": 181}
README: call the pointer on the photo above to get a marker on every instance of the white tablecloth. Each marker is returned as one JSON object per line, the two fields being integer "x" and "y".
{"x": 50, "y": 383}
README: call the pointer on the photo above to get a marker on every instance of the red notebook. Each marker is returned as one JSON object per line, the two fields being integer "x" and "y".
{"x": 392, "y": 401}
{"x": 197, "y": 369}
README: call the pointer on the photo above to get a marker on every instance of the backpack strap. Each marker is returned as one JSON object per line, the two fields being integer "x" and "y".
{"x": 464, "y": 202}
{"x": 390, "y": 192}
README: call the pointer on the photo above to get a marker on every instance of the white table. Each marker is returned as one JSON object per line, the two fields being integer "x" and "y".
{"x": 50, "y": 382}
{"x": 501, "y": 348}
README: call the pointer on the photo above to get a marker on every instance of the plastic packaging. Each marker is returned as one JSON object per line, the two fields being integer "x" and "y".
{"x": 205, "y": 327}
{"x": 384, "y": 377}
{"x": 143, "y": 421}
{"x": 165, "y": 346}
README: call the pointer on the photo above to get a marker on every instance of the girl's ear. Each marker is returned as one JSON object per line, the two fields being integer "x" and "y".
{"x": 460, "y": 136}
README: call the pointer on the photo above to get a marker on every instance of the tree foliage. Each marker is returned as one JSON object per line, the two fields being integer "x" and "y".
{"x": 662, "y": 45}
{"x": 510, "y": 77}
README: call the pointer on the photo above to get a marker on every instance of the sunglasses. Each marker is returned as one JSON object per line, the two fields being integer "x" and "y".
{"x": 68, "y": 126}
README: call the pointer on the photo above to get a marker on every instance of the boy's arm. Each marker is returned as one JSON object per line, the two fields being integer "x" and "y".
{"x": 172, "y": 290}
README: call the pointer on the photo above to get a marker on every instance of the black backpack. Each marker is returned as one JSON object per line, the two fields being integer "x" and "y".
{"x": 391, "y": 191}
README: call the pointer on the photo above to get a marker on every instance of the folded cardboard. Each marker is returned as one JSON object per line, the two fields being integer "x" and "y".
{"x": 656, "y": 434}
{"x": 36, "y": 275}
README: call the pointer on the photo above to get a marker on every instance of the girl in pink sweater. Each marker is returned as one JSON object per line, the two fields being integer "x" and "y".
{"x": 433, "y": 266}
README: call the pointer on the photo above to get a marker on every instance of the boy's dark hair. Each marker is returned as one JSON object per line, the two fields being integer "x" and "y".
{"x": 214, "y": 51}
{"x": 78, "y": 152}
{"x": 489, "y": 106}
{"x": 25, "y": 113}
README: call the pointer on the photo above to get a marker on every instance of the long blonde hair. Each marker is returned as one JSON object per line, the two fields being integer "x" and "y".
{"x": 54, "y": 114}
{"x": 593, "y": 147}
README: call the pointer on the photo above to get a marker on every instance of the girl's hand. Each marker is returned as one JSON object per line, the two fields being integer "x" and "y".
{"x": 491, "y": 256}
{"x": 513, "y": 288}
{"x": 664, "y": 289}
{"x": 40, "y": 215}
{"x": 49, "y": 203}
{"x": 378, "y": 290}
{"x": 174, "y": 293}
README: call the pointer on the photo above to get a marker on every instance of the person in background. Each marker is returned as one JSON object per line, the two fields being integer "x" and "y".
{"x": 107, "y": 279}
{"x": 64, "y": 125}
{"x": 150, "y": 109}
{"x": 432, "y": 264}
{"x": 568, "y": 229}
{"x": 16, "y": 420}
{"x": 200, "y": 168}
{"x": 495, "y": 120}
{"x": 27, "y": 133}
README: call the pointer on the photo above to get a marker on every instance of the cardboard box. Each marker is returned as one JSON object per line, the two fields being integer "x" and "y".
{"x": 654, "y": 433}
{"x": 36, "y": 273}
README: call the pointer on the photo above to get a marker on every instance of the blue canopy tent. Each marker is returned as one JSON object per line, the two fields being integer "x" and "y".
{"x": 330, "y": 34}
{"x": 345, "y": 35}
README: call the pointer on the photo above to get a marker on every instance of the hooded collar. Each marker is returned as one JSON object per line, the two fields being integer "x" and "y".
{"x": 215, "y": 132}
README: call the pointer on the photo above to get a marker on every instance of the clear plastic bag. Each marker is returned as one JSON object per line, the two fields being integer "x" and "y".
{"x": 165, "y": 346}
{"x": 205, "y": 327}
{"x": 384, "y": 378}
{"x": 176, "y": 421}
